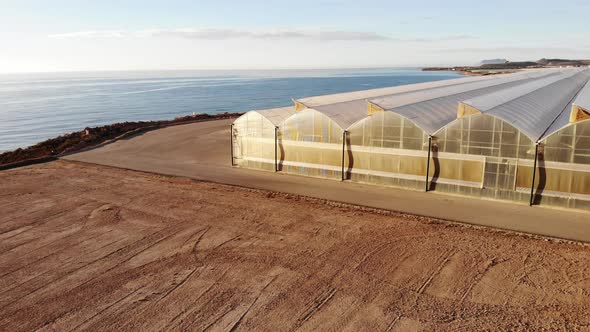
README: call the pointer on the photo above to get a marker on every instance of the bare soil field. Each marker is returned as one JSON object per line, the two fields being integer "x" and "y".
{"x": 86, "y": 247}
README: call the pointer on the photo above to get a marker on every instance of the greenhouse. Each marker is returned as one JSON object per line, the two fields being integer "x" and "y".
{"x": 391, "y": 146}
{"x": 502, "y": 129}
{"x": 564, "y": 159}
{"x": 491, "y": 136}
{"x": 254, "y": 138}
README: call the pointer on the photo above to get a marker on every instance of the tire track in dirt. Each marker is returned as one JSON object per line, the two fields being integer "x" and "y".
{"x": 69, "y": 273}
{"x": 189, "y": 255}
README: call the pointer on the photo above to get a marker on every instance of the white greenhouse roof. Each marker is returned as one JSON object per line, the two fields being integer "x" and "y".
{"x": 276, "y": 115}
{"x": 492, "y": 100}
{"x": 343, "y": 115}
{"x": 313, "y": 102}
{"x": 536, "y": 106}
{"x": 537, "y": 102}
{"x": 433, "y": 109}
{"x": 562, "y": 121}
{"x": 583, "y": 98}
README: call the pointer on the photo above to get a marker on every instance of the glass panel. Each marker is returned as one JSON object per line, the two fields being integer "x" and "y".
{"x": 564, "y": 171}
{"x": 312, "y": 145}
{"x": 388, "y": 149}
{"x": 254, "y": 142}
{"x": 499, "y": 143}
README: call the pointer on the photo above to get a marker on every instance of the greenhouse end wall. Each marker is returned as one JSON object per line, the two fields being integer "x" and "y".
{"x": 502, "y": 158}
{"x": 253, "y": 142}
{"x": 564, "y": 168}
{"x": 387, "y": 149}
{"x": 310, "y": 144}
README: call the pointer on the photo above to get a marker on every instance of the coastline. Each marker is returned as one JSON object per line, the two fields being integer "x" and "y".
{"x": 470, "y": 72}
{"x": 92, "y": 137}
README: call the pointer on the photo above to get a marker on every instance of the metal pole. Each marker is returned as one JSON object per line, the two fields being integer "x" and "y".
{"x": 534, "y": 174}
{"x": 231, "y": 142}
{"x": 276, "y": 140}
{"x": 343, "y": 148}
{"x": 428, "y": 161}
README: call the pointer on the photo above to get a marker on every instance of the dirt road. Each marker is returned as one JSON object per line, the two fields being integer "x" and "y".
{"x": 87, "y": 247}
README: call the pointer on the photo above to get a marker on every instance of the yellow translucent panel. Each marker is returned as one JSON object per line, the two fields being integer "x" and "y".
{"x": 579, "y": 114}
{"x": 299, "y": 106}
{"x": 453, "y": 169}
{"x": 466, "y": 110}
{"x": 580, "y": 183}
{"x": 413, "y": 165}
{"x": 524, "y": 176}
{"x": 372, "y": 108}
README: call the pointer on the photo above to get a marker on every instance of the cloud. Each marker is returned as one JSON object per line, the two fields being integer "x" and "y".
{"x": 91, "y": 34}
{"x": 222, "y": 34}
{"x": 437, "y": 39}
{"x": 264, "y": 34}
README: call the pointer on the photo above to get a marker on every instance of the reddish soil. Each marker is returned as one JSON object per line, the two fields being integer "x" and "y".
{"x": 90, "y": 137}
{"x": 85, "y": 247}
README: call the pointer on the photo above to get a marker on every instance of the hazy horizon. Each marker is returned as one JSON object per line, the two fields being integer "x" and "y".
{"x": 151, "y": 35}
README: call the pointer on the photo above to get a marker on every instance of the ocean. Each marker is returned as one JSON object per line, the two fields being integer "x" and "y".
{"x": 35, "y": 107}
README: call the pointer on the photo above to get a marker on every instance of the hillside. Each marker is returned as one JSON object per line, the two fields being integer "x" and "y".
{"x": 498, "y": 66}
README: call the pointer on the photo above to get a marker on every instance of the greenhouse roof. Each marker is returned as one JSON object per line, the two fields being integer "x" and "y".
{"x": 562, "y": 121}
{"x": 537, "y": 107}
{"x": 276, "y": 115}
{"x": 313, "y": 102}
{"x": 537, "y": 102}
{"x": 583, "y": 98}
{"x": 345, "y": 113}
{"x": 581, "y": 105}
{"x": 433, "y": 109}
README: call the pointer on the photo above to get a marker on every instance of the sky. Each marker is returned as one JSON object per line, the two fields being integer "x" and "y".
{"x": 85, "y": 35}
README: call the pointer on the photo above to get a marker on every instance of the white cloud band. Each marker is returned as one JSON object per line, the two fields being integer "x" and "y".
{"x": 222, "y": 34}
{"x": 268, "y": 34}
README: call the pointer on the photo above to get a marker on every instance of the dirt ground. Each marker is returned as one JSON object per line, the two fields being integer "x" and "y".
{"x": 201, "y": 151}
{"x": 86, "y": 247}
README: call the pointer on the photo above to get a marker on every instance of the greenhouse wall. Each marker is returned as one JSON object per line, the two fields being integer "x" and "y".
{"x": 310, "y": 144}
{"x": 563, "y": 177}
{"x": 253, "y": 142}
{"x": 492, "y": 159}
{"x": 387, "y": 149}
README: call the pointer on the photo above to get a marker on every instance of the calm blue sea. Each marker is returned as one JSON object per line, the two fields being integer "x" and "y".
{"x": 35, "y": 107}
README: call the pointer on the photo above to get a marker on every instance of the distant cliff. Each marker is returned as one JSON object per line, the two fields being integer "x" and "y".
{"x": 496, "y": 66}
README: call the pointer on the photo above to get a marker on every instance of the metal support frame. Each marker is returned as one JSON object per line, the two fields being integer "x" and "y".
{"x": 276, "y": 147}
{"x": 343, "y": 150}
{"x": 231, "y": 142}
{"x": 428, "y": 162}
{"x": 534, "y": 174}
